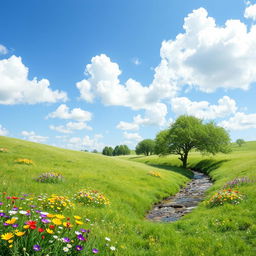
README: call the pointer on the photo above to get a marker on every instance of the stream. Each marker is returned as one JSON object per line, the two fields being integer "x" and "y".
{"x": 174, "y": 207}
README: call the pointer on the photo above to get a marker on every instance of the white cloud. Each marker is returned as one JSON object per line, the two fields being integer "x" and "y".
{"x": 202, "y": 109}
{"x": 103, "y": 82}
{"x": 3, "y": 49}
{"x": 154, "y": 115}
{"x": 70, "y": 127}
{"x": 86, "y": 143}
{"x": 3, "y": 131}
{"x": 76, "y": 114}
{"x": 136, "y": 61}
{"x": 250, "y": 12}
{"x": 209, "y": 57}
{"x": 240, "y": 121}
{"x": 32, "y": 136}
{"x": 15, "y": 87}
{"x": 132, "y": 136}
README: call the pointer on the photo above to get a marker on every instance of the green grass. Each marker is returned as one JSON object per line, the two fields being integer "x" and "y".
{"x": 227, "y": 230}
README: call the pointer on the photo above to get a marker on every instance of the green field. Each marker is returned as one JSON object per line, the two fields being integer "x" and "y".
{"x": 226, "y": 230}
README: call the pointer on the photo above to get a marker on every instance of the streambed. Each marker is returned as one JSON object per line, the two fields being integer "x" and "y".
{"x": 176, "y": 206}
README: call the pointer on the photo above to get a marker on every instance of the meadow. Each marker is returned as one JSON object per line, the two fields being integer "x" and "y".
{"x": 120, "y": 227}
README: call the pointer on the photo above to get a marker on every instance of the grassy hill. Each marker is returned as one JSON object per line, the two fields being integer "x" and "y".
{"x": 226, "y": 230}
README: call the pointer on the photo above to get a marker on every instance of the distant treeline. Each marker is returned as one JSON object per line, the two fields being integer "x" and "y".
{"x": 117, "y": 151}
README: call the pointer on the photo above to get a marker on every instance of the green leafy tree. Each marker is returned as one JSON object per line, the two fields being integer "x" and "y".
{"x": 240, "y": 142}
{"x": 189, "y": 132}
{"x": 107, "y": 151}
{"x": 146, "y": 147}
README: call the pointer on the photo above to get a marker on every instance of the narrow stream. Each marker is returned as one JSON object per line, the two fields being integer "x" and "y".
{"x": 174, "y": 207}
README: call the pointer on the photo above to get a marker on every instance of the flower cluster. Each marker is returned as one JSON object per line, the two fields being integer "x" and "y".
{"x": 91, "y": 198}
{"x": 238, "y": 181}
{"x": 26, "y": 229}
{"x": 155, "y": 174}
{"x": 50, "y": 177}
{"x": 3, "y": 150}
{"x": 55, "y": 203}
{"x": 24, "y": 161}
{"x": 225, "y": 196}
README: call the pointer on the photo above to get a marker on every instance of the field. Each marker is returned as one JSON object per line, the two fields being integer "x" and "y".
{"x": 224, "y": 230}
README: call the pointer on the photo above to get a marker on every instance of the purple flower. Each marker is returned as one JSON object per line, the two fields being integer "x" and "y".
{"x": 6, "y": 224}
{"x": 79, "y": 248}
{"x": 45, "y": 221}
{"x": 83, "y": 230}
{"x": 15, "y": 208}
{"x": 1, "y": 203}
{"x": 28, "y": 213}
{"x": 37, "y": 211}
{"x": 94, "y": 250}
{"x": 15, "y": 225}
{"x": 66, "y": 239}
{"x": 43, "y": 215}
{"x": 81, "y": 237}
{"x": 2, "y": 214}
{"x": 32, "y": 206}
{"x": 36, "y": 247}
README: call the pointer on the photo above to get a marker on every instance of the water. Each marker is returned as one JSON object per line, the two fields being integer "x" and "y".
{"x": 174, "y": 207}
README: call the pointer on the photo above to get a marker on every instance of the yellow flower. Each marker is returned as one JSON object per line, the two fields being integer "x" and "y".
{"x": 50, "y": 215}
{"x": 49, "y": 231}
{"x": 10, "y": 246}
{"x": 11, "y": 221}
{"x": 67, "y": 225}
{"x": 77, "y": 217}
{"x": 7, "y": 236}
{"x": 79, "y": 222}
{"x": 60, "y": 216}
{"x": 10, "y": 241}
{"x": 26, "y": 226}
{"x": 19, "y": 233}
{"x": 56, "y": 221}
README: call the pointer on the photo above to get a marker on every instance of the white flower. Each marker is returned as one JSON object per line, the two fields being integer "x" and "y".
{"x": 69, "y": 245}
{"x": 60, "y": 227}
{"x": 65, "y": 249}
{"x": 107, "y": 239}
{"x": 112, "y": 248}
{"x": 56, "y": 237}
{"x": 23, "y": 212}
{"x": 44, "y": 213}
{"x": 78, "y": 233}
{"x": 51, "y": 241}
{"x": 12, "y": 212}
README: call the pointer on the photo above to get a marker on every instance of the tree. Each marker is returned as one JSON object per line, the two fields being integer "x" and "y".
{"x": 121, "y": 150}
{"x": 240, "y": 142}
{"x": 189, "y": 132}
{"x": 146, "y": 147}
{"x": 107, "y": 151}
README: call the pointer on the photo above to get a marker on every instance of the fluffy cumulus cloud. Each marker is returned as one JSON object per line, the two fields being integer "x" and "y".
{"x": 209, "y": 57}
{"x": 86, "y": 143}
{"x": 3, "y": 131}
{"x": 3, "y": 49}
{"x": 70, "y": 127}
{"x": 240, "y": 121}
{"x": 202, "y": 109}
{"x": 32, "y": 136}
{"x": 132, "y": 136}
{"x": 77, "y": 114}
{"x": 250, "y": 12}
{"x": 154, "y": 115}
{"x": 103, "y": 82}
{"x": 15, "y": 86}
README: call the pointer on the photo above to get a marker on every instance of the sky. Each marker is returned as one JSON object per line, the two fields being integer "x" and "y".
{"x": 86, "y": 74}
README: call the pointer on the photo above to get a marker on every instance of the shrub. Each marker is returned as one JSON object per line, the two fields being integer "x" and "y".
{"x": 24, "y": 161}
{"x": 225, "y": 196}
{"x": 91, "y": 198}
{"x": 26, "y": 230}
{"x": 50, "y": 177}
{"x": 155, "y": 174}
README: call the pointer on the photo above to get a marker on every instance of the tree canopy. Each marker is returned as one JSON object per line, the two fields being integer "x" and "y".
{"x": 117, "y": 151}
{"x": 240, "y": 142}
{"x": 146, "y": 147}
{"x": 189, "y": 132}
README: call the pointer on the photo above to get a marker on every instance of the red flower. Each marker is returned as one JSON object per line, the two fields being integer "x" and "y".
{"x": 51, "y": 226}
{"x": 68, "y": 218}
{"x": 15, "y": 197}
{"x": 40, "y": 230}
{"x": 32, "y": 226}
{"x": 43, "y": 237}
{"x": 31, "y": 223}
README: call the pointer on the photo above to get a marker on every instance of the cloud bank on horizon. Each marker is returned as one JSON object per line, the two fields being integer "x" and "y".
{"x": 205, "y": 58}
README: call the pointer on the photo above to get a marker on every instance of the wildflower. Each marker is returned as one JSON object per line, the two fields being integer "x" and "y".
{"x": 67, "y": 224}
{"x": 94, "y": 250}
{"x": 19, "y": 233}
{"x": 45, "y": 221}
{"x": 107, "y": 239}
{"x": 60, "y": 216}
{"x": 77, "y": 217}
{"x": 40, "y": 230}
{"x": 49, "y": 231}
{"x": 11, "y": 221}
{"x": 69, "y": 245}
{"x": 79, "y": 222}
{"x": 112, "y": 248}
{"x": 79, "y": 248}
{"x": 56, "y": 221}
{"x": 7, "y": 236}
{"x": 36, "y": 247}
{"x": 81, "y": 237}
{"x": 66, "y": 239}
{"x": 65, "y": 249}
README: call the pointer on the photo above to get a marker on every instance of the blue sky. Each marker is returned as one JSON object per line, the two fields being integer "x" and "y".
{"x": 84, "y": 74}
